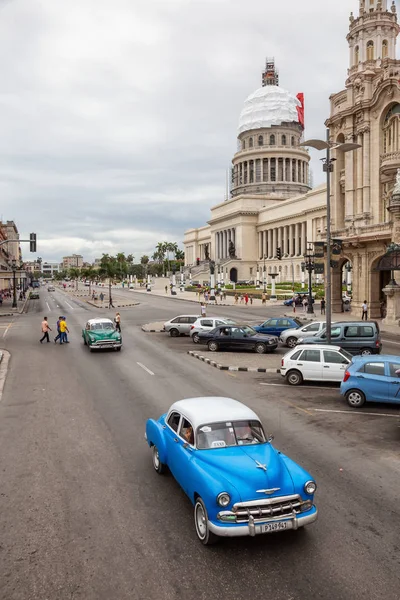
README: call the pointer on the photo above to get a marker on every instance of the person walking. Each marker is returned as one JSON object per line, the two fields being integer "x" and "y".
{"x": 110, "y": 302}
{"x": 323, "y": 303}
{"x": 45, "y": 330}
{"x": 63, "y": 330}
{"x": 101, "y": 298}
{"x": 166, "y": 289}
{"x": 224, "y": 295}
{"x": 305, "y": 304}
{"x": 236, "y": 298}
{"x": 263, "y": 298}
{"x": 118, "y": 322}
{"x": 241, "y": 299}
{"x": 364, "y": 315}
{"x": 246, "y": 299}
{"x": 58, "y": 336}
{"x": 203, "y": 309}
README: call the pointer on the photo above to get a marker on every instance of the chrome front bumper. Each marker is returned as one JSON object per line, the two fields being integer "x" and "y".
{"x": 254, "y": 528}
{"x": 100, "y": 346}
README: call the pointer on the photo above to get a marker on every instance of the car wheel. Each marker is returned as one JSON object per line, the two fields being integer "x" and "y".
{"x": 201, "y": 523}
{"x": 195, "y": 338}
{"x": 260, "y": 348}
{"x": 355, "y": 398}
{"x": 118, "y": 349}
{"x": 90, "y": 349}
{"x": 174, "y": 333}
{"x": 157, "y": 464}
{"x": 212, "y": 346}
{"x": 366, "y": 352}
{"x": 84, "y": 341}
{"x": 294, "y": 378}
{"x": 291, "y": 342}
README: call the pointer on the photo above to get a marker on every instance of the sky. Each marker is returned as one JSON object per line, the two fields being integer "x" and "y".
{"x": 119, "y": 118}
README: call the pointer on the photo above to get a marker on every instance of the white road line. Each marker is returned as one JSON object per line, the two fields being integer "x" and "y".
{"x": 48, "y": 306}
{"x": 386, "y": 341}
{"x": 6, "y": 330}
{"x": 355, "y": 412}
{"x": 67, "y": 303}
{"x": 308, "y": 387}
{"x": 145, "y": 368}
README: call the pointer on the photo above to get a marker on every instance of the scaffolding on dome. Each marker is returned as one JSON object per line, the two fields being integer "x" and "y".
{"x": 270, "y": 75}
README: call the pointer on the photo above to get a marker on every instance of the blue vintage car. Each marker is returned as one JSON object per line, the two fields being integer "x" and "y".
{"x": 237, "y": 481}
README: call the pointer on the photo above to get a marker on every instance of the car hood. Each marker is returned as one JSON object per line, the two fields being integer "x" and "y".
{"x": 103, "y": 335}
{"x": 291, "y": 331}
{"x": 243, "y": 468}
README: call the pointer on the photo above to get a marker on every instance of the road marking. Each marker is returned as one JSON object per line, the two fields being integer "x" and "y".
{"x": 145, "y": 368}
{"x": 303, "y": 387}
{"x": 6, "y": 330}
{"x": 386, "y": 341}
{"x": 67, "y": 303}
{"x": 297, "y": 407}
{"x": 355, "y": 412}
{"x": 231, "y": 374}
{"x": 48, "y": 306}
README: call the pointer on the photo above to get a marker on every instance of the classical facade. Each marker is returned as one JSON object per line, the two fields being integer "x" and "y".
{"x": 367, "y": 112}
{"x": 271, "y": 204}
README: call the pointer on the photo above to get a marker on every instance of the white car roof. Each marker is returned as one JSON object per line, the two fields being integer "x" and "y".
{"x": 99, "y": 320}
{"x": 316, "y": 347}
{"x": 213, "y": 409}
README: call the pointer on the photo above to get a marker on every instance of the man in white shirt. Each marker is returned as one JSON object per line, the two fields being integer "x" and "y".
{"x": 364, "y": 311}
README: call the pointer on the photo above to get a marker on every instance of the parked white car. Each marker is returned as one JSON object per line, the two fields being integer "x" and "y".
{"x": 207, "y": 324}
{"x": 323, "y": 363}
{"x": 289, "y": 337}
{"x": 180, "y": 325}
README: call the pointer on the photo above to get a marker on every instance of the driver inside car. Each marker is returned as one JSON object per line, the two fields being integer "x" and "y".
{"x": 244, "y": 435}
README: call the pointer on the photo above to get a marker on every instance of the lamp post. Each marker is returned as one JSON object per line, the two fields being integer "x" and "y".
{"x": 328, "y": 169}
{"x": 264, "y": 277}
{"x": 309, "y": 258}
{"x": 14, "y": 268}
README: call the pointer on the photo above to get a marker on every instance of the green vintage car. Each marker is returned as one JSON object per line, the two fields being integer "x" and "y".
{"x": 101, "y": 333}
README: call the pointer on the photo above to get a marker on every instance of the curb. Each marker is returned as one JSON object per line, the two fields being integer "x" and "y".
{"x": 4, "y": 360}
{"x": 152, "y": 330}
{"x": 230, "y": 368}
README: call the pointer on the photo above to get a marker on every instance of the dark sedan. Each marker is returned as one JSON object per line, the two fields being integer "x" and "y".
{"x": 237, "y": 337}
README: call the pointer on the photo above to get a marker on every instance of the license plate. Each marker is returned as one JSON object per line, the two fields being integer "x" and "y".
{"x": 269, "y": 527}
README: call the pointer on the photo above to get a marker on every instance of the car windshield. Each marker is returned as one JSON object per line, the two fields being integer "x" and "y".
{"x": 249, "y": 330}
{"x": 229, "y": 433}
{"x": 298, "y": 322}
{"x": 101, "y": 326}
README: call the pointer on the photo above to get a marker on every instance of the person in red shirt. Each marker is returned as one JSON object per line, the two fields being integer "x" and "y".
{"x": 246, "y": 299}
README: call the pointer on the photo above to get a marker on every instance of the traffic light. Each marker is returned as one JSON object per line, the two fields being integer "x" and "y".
{"x": 197, "y": 261}
{"x": 278, "y": 253}
{"x": 32, "y": 242}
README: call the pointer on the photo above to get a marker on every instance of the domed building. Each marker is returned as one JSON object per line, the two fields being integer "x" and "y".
{"x": 269, "y": 171}
{"x": 271, "y": 205}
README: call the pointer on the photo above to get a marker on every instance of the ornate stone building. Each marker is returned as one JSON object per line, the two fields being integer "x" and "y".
{"x": 367, "y": 112}
{"x": 271, "y": 204}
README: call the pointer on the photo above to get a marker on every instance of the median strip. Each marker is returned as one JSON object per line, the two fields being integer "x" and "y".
{"x": 213, "y": 363}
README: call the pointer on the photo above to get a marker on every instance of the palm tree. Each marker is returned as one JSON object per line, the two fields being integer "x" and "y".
{"x": 90, "y": 274}
{"x": 180, "y": 255}
{"x": 109, "y": 269}
{"x": 74, "y": 273}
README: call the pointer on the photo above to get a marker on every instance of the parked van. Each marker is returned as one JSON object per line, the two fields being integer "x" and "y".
{"x": 357, "y": 337}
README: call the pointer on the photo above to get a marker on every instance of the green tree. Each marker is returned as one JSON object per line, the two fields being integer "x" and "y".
{"x": 113, "y": 269}
{"x": 180, "y": 255}
{"x": 74, "y": 273}
{"x": 90, "y": 274}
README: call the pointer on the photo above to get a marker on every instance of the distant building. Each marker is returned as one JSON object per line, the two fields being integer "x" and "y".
{"x": 49, "y": 268}
{"x": 75, "y": 260}
{"x": 32, "y": 265}
{"x": 11, "y": 233}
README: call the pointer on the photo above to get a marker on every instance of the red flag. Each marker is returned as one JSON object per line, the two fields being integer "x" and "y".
{"x": 300, "y": 109}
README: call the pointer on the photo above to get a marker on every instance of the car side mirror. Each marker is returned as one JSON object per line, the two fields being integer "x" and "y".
{"x": 270, "y": 438}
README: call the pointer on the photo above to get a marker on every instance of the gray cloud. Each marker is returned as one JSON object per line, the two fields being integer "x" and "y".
{"x": 119, "y": 118}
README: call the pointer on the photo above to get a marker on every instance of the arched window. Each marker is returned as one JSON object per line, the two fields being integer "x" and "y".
{"x": 370, "y": 50}
{"x": 272, "y": 140}
{"x": 284, "y": 140}
{"x": 391, "y": 129}
{"x": 356, "y": 55}
{"x": 260, "y": 140}
{"x": 250, "y": 142}
{"x": 384, "y": 49}
{"x": 244, "y": 145}
{"x": 293, "y": 142}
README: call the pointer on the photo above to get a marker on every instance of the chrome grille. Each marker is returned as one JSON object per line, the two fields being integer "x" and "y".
{"x": 105, "y": 342}
{"x": 278, "y": 508}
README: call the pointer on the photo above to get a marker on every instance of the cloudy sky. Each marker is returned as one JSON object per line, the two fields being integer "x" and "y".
{"x": 118, "y": 117}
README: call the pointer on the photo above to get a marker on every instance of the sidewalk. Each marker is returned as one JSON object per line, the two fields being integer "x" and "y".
{"x": 6, "y": 309}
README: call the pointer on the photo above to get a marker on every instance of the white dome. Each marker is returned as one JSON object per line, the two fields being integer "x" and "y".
{"x": 269, "y": 105}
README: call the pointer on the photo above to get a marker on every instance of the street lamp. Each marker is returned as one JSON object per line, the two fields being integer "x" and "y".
{"x": 14, "y": 268}
{"x": 309, "y": 258}
{"x": 264, "y": 277}
{"x": 328, "y": 145}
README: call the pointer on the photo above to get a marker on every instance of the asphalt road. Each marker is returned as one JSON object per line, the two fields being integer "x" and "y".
{"x": 83, "y": 514}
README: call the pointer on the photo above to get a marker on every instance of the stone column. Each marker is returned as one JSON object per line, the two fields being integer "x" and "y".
{"x": 366, "y": 189}
{"x": 269, "y": 243}
{"x": 279, "y": 237}
{"x": 359, "y": 195}
{"x": 285, "y": 238}
{"x": 260, "y": 244}
{"x": 392, "y": 293}
{"x": 261, "y": 170}
{"x": 291, "y": 244}
{"x": 265, "y": 244}
{"x": 349, "y": 184}
{"x": 303, "y": 237}
{"x": 274, "y": 240}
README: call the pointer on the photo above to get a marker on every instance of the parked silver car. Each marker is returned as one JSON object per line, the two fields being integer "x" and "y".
{"x": 207, "y": 324}
{"x": 289, "y": 337}
{"x": 180, "y": 325}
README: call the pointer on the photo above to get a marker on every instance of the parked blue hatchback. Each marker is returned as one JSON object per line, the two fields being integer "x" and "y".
{"x": 372, "y": 379}
{"x": 276, "y": 325}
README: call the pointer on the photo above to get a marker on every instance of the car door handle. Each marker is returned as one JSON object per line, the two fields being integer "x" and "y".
{"x": 176, "y": 440}
{"x": 360, "y": 376}
{"x": 395, "y": 382}
{"x": 300, "y": 364}
{"x": 326, "y": 367}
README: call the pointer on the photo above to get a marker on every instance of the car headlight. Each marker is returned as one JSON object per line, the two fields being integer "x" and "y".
{"x": 310, "y": 487}
{"x": 300, "y": 340}
{"x": 223, "y": 499}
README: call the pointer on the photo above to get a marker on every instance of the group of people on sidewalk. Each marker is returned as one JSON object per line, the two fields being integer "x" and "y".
{"x": 62, "y": 331}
